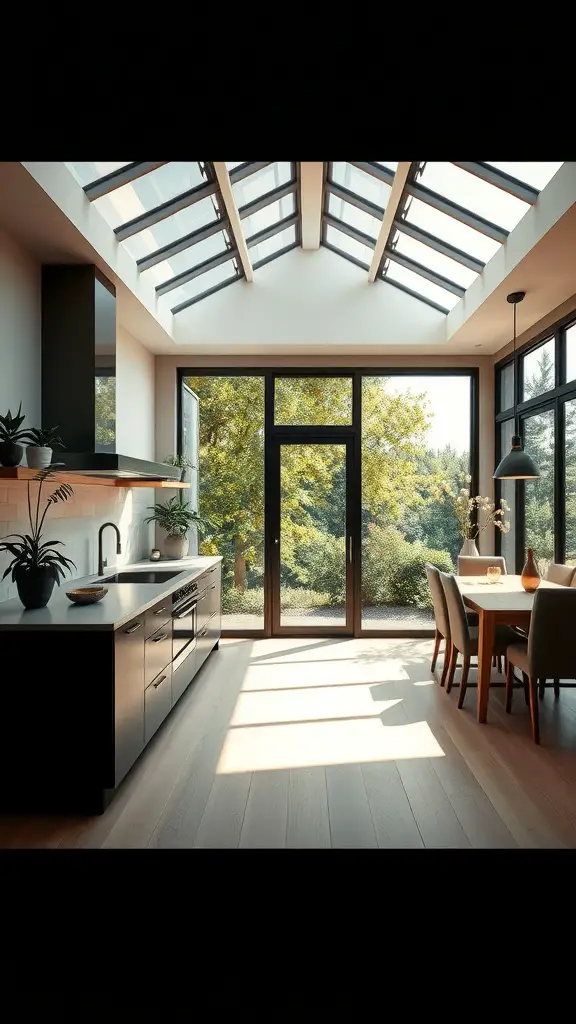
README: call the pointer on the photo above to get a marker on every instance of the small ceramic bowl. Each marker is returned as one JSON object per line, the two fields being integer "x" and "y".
{"x": 87, "y": 595}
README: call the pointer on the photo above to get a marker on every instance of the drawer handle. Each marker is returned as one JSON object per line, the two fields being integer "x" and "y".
{"x": 133, "y": 628}
{"x": 157, "y": 639}
{"x": 160, "y": 610}
{"x": 161, "y": 680}
{"x": 214, "y": 569}
{"x": 204, "y": 631}
{"x": 213, "y": 587}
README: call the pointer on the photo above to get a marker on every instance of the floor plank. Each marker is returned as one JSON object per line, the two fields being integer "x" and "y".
{"x": 351, "y": 824}
{"x": 266, "y": 814}
{"x": 392, "y": 817}
{"x": 308, "y": 819}
{"x": 221, "y": 824}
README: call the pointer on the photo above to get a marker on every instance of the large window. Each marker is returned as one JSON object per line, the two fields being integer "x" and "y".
{"x": 543, "y": 511}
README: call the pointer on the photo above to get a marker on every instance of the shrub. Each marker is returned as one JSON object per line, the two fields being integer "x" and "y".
{"x": 324, "y": 561}
{"x": 393, "y": 569}
{"x": 251, "y": 600}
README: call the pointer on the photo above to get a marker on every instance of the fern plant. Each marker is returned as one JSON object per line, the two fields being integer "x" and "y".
{"x": 176, "y": 517}
{"x": 27, "y": 550}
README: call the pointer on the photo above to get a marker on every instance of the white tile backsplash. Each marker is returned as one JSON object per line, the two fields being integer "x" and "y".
{"x": 76, "y": 522}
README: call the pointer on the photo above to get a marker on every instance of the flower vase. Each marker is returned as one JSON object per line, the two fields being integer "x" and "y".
{"x": 469, "y": 547}
{"x": 530, "y": 577}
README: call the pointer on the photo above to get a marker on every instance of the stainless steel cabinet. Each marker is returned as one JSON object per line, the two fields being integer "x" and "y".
{"x": 128, "y": 696}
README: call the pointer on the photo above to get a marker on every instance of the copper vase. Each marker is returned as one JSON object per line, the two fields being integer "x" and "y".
{"x": 530, "y": 576}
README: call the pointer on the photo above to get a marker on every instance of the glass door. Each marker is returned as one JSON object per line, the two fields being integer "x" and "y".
{"x": 311, "y": 535}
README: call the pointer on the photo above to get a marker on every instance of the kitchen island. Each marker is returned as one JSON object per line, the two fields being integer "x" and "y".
{"x": 86, "y": 687}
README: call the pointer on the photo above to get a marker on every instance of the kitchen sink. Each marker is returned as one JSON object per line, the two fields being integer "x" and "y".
{"x": 146, "y": 576}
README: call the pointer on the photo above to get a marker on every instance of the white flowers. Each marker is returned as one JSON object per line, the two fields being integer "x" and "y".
{"x": 475, "y": 514}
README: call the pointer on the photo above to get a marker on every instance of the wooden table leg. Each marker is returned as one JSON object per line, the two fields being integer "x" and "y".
{"x": 486, "y": 627}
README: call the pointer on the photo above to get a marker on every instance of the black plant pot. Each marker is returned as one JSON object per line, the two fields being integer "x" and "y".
{"x": 10, "y": 453}
{"x": 35, "y": 587}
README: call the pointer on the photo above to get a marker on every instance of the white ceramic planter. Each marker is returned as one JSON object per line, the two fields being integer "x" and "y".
{"x": 176, "y": 545}
{"x": 469, "y": 548}
{"x": 38, "y": 458}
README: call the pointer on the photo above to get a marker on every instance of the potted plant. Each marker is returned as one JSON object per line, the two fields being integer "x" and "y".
{"x": 10, "y": 433}
{"x": 181, "y": 461}
{"x": 176, "y": 518}
{"x": 474, "y": 514}
{"x": 41, "y": 443}
{"x": 37, "y": 566}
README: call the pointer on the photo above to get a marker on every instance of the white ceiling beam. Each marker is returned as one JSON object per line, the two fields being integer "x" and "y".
{"x": 396, "y": 193}
{"x": 223, "y": 179}
{"x": 311, "y": 189}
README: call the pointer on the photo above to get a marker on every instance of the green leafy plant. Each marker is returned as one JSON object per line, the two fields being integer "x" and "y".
{"x": 176, "y": 517}
{"x": 180, "y": 461}
{"x": 28, "y": 551}
{"x": 10, "y": 427}
{"x": 45, "y": 437}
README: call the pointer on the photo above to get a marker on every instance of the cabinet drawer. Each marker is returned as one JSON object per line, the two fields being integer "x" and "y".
{"x": 157, "y": 652}
{"x": 207, "y": 637}
{"x": 158, "y": 616}
{"x": 157, "y": 702}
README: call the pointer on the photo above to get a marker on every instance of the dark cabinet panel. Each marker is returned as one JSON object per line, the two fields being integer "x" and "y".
{"x": 128, "y": 696}
{"x": 157, "y": 652}
{"x": 157, "y": 702}
{"x": 158, "y": 616}
{"x": 208, "y": 636}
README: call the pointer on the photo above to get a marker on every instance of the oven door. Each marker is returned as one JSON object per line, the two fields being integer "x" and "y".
{"x": 183, "y": 628}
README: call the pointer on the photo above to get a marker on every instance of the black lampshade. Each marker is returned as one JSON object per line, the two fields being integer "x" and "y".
{"x": 517, "y": 465}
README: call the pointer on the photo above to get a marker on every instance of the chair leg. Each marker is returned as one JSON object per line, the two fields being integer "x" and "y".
{"x": 451, "y": 668}
{"x": 493, "y": 661}
{"x": 500, "y": 664}
{"x": 464, "y": 680}
{"x": 541, "y": 688}
{"x": 556, "y": 688}
{"x": 526, "y": 689}
{"x": 447, "y": 653}
{"x": 509, "y": 685}
{"x": 534, "y": 709}
{"x": 437, "y": 639}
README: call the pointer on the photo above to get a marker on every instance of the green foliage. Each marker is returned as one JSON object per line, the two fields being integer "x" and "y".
{"x": 176, "y": 517}
{"x": 251, "y": 602}
{"x": 539, "y": 442}
{"x": 322, "y": 564}
{"x": 393, "y": 568}
{"x": 27, "y": 550}
{"x": 10, "y": 427}
{"x": 181, "y": 461}
{"x": 45, "y": 437}
{"x": 105, "y": 396}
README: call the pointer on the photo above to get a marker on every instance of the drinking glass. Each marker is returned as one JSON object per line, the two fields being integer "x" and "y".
{"x": 493, "y": 573}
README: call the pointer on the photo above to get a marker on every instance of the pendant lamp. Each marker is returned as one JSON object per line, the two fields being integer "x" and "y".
{"x": 517, "y": 465}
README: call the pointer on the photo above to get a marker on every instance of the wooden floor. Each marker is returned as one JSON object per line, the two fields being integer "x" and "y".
{"x": 312, "y": 743}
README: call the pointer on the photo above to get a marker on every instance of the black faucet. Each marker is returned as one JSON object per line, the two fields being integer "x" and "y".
{"x": 103, "y": 561}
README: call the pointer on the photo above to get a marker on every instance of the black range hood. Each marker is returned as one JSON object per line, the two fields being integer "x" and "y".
{"x": 79, "y": 374}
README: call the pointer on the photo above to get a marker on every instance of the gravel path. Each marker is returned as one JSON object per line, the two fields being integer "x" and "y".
{"x": 389, "y": 617}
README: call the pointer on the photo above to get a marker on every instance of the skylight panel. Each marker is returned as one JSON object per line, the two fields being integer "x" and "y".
{"x": 391, "y": 165}
{"x": 353, "y": 216}
{"x": 231, "y": 166}
{"x": 420, "y": 285}
{"x": 348, "y": 246}
{"x": 191, "y": 257}
{"x": 269, "y": 215}
{"x": 361, "y": 183}
{"x": 87, "y": 172}
{"x": 474, "y": 194}
{"x": 196, "y": 288}
{"x": 536, "y": 173}
{"x": 192, "y": 218}
{"x": 149, "y": 191}
{"x": 265, "y": 180}
{"x": 450, "y": 230}
{"x": 271, "y": 246}
{"x": 434, "y": 260}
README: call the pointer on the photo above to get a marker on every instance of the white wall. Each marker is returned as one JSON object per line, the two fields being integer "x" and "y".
{"x": 304, "y": 301}
{"x": 135, "y": 397}
{"x": 19, "y": 330}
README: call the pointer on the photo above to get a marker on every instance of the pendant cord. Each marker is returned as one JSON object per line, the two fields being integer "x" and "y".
{"x": 515, "y": 379}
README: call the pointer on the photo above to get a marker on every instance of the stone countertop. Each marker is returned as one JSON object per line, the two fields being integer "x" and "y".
{"x": 122, "y": 602}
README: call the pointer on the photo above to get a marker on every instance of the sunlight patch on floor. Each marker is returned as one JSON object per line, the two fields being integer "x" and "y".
{"x": 308, "y": 704}
{"x": 286, "y": 675}
{"x": 308, "y": 744}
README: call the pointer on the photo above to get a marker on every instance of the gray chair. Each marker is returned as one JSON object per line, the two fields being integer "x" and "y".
{"x": 550, "y": 651}
{"x": 463, "y": 637}
{"x": 562, "y": 574}
{"x": 441, "y": 621}
{"x": 478, "y": 565}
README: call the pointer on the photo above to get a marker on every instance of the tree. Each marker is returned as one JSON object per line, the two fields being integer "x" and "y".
{"x": 539, "y": 443}
{"x": 105, "y": 388}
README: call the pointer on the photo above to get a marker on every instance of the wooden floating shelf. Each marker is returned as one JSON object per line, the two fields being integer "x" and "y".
{"x": 9, "y": 473}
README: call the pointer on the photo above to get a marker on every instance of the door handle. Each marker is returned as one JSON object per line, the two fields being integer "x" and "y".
{"x": 276, "y": 540}
{"x": 350, "y": 548}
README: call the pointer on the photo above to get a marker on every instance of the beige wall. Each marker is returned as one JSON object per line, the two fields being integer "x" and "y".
{"x": 565, "y": 309}
{"x": 135, "y": 397}
{"x": 166, "y": 378}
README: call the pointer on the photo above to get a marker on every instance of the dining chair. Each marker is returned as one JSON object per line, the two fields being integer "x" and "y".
{"x": 463, "y": 637}
{"x": 562, "y": 574}
{"x": 441, "y": 621}
{"x": 549, "y": 652}
{"x": 478, "y": 565}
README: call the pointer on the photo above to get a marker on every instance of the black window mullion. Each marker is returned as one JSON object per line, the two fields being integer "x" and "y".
{"x": 559, "y": 481}
{"x": 560, "y": 356}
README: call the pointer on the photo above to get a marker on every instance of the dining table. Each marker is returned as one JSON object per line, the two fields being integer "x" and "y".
{"x": 500, "y": 603}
